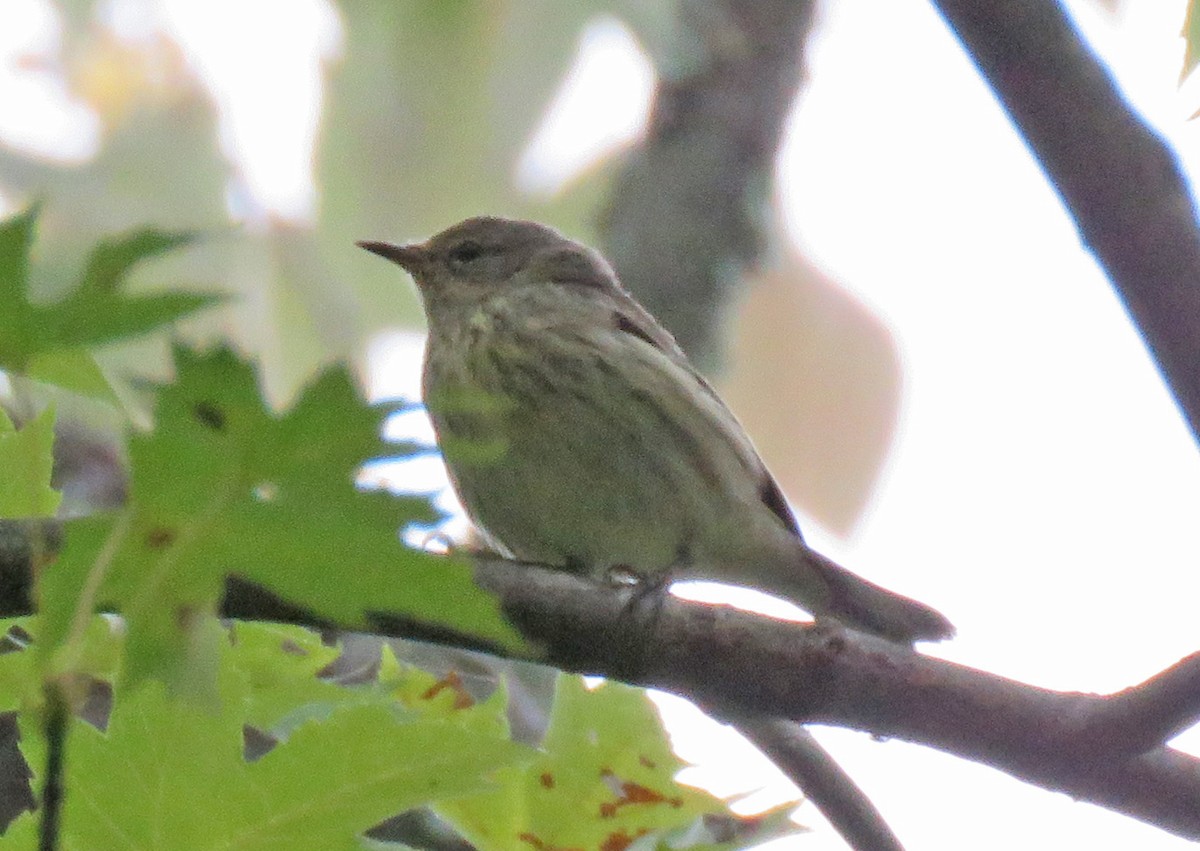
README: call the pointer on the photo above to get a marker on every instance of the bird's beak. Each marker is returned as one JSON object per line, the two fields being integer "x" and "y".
{"x": 411, "y": 258}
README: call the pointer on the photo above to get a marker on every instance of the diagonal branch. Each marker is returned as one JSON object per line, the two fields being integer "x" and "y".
{"x": 802, "y": 758}
{"x": 1119, "y": 181}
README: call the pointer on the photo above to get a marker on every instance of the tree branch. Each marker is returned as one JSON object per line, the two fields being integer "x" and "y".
{"x": 1120, "y": 182}
{"x": 740, "y": 664}
{"x": 1133, "y": 721}
{"x": 802, "y": 758}
{"x": 687, "y": 210}
{"x": 735, "y": 662}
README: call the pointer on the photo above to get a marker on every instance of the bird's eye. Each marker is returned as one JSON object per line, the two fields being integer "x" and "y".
{"x": 465, "y": 252}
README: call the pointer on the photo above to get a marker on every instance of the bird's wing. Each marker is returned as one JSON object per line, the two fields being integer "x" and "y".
{"x": 636, "y": 321}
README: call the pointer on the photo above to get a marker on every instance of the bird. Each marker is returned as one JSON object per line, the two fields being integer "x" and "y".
{"x": 578, "y": 435}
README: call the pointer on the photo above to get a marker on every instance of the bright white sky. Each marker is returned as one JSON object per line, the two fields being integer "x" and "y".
{"x": 1040, "y": 468}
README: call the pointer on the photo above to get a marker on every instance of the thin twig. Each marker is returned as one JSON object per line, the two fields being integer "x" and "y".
{"x": 801, "y": 757}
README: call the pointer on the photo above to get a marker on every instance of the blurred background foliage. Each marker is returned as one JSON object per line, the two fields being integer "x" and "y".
{"x": 399, "y": 119}
{"x": 424, "y": 110}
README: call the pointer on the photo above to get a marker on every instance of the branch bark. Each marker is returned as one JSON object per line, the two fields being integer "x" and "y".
{"x": 1119, "y": 181}
{"x": 1135, "y": 720}
{"x": 738, "y": 664}
{"x": 687, "y": 211}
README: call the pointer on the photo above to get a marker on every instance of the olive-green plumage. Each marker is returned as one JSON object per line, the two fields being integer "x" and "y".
{"x": 578, "y": 435}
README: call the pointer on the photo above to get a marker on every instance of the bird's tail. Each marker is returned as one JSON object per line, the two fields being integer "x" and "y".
{"x": 868, "y": 607}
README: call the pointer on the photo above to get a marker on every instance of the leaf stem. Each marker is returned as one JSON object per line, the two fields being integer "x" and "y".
{"x": 86, "y": 606}
{"x": 57, "y": 719}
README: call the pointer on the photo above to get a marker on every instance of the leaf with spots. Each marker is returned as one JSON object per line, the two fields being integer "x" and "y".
{"x": 447, "y": 698}
{"x": 604, "y": 778}
{"x": 281, "y": 665}
{"x": 223, "y": 485}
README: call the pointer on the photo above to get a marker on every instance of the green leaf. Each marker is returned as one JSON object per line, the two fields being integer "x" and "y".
{"x": 94, "y": 322}
{"x": 170, "y": 775}
{"x": 96, "y": 312}
{"x": 111, "y": 261}
{"x": 224, "y": 486}
{"x": 280, "y": 665}
{"x": 43, "y": 338}
{"x": 71, "y": 369}
{"x": 604, "y": 776}
{"x": 16, "y": 327}
{"x": 362, "y": 762}
{"x": 16, "y": 238}
{"x": 101, "y": 644}
{"x": 26, "y": 461}
{"x": 18, "y": 675}
{"x": 22, "y": 834}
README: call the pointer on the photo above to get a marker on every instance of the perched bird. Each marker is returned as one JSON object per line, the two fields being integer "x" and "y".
{"x": 578, "y": 435}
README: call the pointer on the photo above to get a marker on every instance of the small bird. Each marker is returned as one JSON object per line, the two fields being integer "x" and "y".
{"x": 578, "y": 436}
